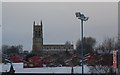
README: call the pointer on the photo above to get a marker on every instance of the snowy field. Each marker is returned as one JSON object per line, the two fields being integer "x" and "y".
{"x": 19, "y": 69}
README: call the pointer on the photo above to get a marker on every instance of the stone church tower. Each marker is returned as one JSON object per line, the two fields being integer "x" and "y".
{"x": 37, "y": 37}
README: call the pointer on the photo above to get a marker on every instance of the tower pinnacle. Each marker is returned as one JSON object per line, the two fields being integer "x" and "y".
{"x": 41, "y": 22}
{"x": 34, "y": 23}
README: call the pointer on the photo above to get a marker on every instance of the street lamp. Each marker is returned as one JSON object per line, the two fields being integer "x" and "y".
{"x": 82, "y": 18}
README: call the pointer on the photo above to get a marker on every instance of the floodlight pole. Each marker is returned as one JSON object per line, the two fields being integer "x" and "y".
{"x": 82, "y": 46}
{"x": 82, "y": 18}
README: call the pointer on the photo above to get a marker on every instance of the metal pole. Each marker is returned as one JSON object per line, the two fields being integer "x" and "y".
{"x": 82, "y": 18}
{"x": 82, "y": 46}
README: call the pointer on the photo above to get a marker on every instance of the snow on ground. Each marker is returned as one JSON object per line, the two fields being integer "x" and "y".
{"x": 19, "y": 69}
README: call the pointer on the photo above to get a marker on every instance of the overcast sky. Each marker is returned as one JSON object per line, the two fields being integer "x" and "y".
{"x": 59, "y": 21}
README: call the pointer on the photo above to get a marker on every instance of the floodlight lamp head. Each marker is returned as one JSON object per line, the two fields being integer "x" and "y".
{"x": 77, "y": 14}
{"x": 82, "y": 17}
{"x": 86, "y": 18}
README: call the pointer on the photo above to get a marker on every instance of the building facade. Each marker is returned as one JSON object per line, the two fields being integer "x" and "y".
{"x": 38, "y": 41}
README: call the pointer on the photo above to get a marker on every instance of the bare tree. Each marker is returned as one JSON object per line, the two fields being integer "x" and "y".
{"x": 108, "y": 45}
{"x": 102, "y": 64}
{"x": 67, "y": 45}
{"x": 6, "y": 49}
{"x": 88, "y": 44}
{"x": 103, "y": 61}
{"x": 20, "y": 48}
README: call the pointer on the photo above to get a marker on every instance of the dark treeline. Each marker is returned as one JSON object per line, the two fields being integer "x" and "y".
{"x": 6, "y": 49}
{"x": 101, "y": 62}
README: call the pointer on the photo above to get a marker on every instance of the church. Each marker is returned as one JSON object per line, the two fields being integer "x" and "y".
{"x": 38, "y": 41}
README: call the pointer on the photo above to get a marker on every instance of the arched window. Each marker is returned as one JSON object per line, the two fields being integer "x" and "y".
{"x": 35, "y": 33}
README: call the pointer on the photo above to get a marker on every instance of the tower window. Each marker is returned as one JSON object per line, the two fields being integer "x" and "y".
{"x": 39, "y": 32}
{"x": 35, "y": 33}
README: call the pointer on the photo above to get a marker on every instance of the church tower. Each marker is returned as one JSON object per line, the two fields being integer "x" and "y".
{"x": 37, "y": 37}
